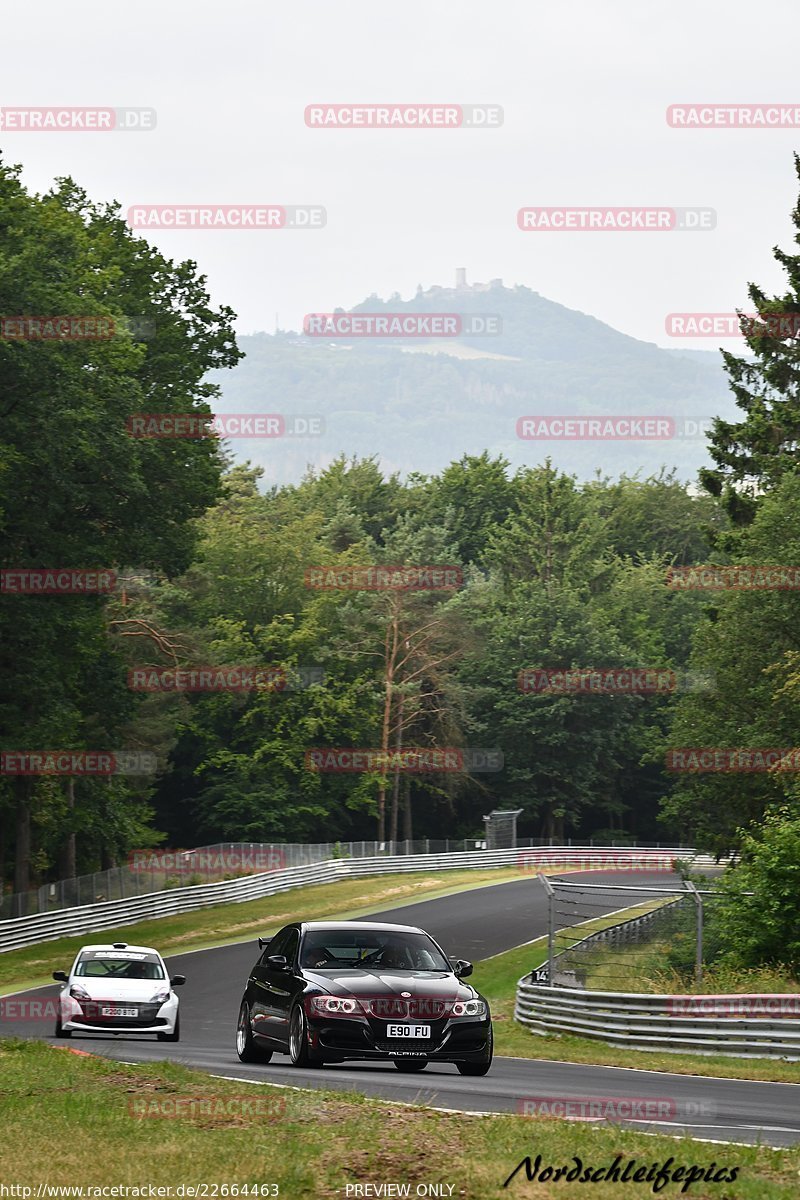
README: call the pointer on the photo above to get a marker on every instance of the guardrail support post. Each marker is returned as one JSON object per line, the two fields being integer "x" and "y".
{"x": 551, "y": 924}
{"x": 698, "y": 959}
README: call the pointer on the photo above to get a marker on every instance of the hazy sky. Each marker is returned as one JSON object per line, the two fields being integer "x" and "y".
{"x": 584, "y": 88}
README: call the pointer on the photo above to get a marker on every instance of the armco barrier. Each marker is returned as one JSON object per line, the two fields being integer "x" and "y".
{"x": 643, "y": 1022}
{"x": 147, "y": 871}
{"x": 44, "y": 927}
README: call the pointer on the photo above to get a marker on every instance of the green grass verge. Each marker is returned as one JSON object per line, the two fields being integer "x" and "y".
{"x": 646, "y": 969}
{"x": 70, "y": 1120}
{"x": 199, "y": 930}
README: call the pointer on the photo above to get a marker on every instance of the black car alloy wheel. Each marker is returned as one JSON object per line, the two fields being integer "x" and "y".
{"x": 246, "y": 1046}
{"x": 299, "y": 1052}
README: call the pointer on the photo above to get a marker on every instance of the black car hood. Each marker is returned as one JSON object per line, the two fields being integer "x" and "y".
{"x": 433, "y": 985}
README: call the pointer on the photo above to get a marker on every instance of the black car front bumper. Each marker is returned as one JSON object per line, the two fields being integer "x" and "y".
{"x": 450, "y": 1041}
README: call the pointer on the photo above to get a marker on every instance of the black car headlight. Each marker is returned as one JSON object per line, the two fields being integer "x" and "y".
{"x": 79, "y": 993}
{"x": 469, "y": 1008}
{"x": 160, "y": 997}
{"x": 334, "y": 1006}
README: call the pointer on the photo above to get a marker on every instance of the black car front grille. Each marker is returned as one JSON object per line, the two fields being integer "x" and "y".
{"x": 401, "y": 1045}
{"x": 418, "y": 1008}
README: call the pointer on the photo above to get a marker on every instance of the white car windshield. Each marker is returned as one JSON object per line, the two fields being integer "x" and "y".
{"x": 119, "y": 964}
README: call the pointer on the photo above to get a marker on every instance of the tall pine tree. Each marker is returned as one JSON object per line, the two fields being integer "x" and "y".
{"x": 752, "y": 455}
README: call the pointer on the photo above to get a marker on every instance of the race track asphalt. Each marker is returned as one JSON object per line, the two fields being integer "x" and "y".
{"x": 474, "y": 924}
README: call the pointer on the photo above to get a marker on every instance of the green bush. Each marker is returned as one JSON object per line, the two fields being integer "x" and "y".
{"x": 763, "y": 929}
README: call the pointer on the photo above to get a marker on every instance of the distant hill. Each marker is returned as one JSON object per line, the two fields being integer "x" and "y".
{"x": 419, "y": 404}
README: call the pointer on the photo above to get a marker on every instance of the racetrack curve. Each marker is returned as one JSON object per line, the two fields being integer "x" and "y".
{"x": 473, "y": 924}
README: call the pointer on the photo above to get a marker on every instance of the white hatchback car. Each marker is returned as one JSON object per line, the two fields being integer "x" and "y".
{"x": 119, "y": 989}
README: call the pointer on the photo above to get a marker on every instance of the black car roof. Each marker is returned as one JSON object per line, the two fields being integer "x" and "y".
{"x": 384, "y": 925}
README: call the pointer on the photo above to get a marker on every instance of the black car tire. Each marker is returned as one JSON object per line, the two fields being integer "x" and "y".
{"x": 247, "y": 1047}
{"x": 299, "y": 1052}
{"x": 175, "y": 1036}
{"x": 478, "y": 1068}
{"x": 61, "y": 1032}
{"x": 475, "y": 1068}
{"x": 411, "y": 1065}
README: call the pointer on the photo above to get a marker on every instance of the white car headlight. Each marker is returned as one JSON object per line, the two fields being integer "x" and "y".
{"x": 334, "y": 1006}
{"x": 160, "y": 997}
{"x": 469, "y": 1008}
{"x": 79, "y": 993}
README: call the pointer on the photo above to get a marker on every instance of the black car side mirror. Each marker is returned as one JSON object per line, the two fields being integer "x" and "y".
{"x": 177, "y": 980}
{"x": 277, "y": 962}
{"x": 463, "y": 968}
{"x": 61, "y": 976}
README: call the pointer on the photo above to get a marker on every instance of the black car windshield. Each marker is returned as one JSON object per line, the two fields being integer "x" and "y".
{"x": 119, "y": 964}
{"x": 337, "y": 949}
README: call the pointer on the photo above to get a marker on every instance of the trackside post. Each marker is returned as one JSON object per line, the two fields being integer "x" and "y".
{"x": 551, "y": 929}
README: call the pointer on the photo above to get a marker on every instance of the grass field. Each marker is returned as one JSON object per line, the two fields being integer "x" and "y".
{"x": 73, "y": 1120}
{"x": 645, "y": 969}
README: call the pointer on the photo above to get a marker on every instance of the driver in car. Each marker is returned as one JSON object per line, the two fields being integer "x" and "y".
{"x": 394, "y": 955}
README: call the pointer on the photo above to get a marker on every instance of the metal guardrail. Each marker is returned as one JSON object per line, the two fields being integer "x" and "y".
{"x": 649, "y": 1022}
{"x": 697, "y": 1024}
{"x": 157, "y": 870}
{"x": 43, "y": 927}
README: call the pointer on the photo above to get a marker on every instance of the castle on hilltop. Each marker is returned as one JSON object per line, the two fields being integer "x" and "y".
{"x": 462, "y": 285}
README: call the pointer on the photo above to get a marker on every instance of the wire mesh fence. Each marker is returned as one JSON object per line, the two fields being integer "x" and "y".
{"x": 593, "y": 930}
{"x": 147, "y": 871}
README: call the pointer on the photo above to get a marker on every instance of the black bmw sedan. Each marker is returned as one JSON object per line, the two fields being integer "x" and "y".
{"x": 330, "y": 991}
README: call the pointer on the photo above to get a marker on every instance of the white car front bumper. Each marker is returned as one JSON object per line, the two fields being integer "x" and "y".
{"x": 85, "y": 1016}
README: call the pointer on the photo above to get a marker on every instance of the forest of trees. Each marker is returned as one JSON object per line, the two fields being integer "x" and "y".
{"x": 556, "y": 574}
